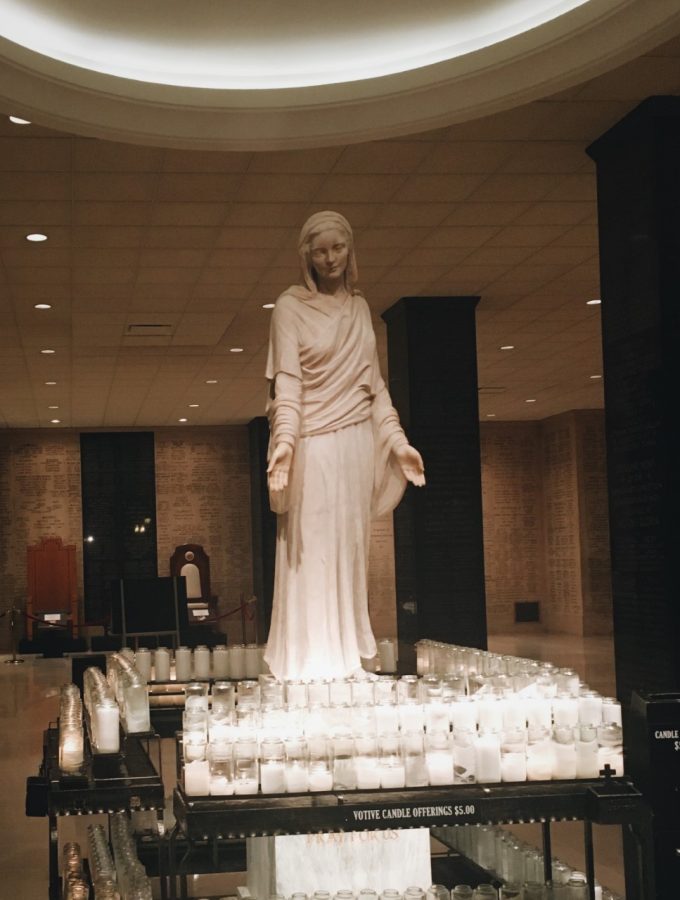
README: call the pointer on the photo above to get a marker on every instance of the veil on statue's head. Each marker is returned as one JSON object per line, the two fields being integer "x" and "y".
{"x": 314, "y": 225}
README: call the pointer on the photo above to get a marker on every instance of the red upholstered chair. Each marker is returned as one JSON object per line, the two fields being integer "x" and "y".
{"x": 52, "y": 583}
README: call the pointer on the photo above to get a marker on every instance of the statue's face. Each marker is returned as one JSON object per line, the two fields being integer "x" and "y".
{"x": 329, "y": 253}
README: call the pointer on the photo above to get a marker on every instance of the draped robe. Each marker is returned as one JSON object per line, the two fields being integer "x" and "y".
{"x": 343, "y": 427}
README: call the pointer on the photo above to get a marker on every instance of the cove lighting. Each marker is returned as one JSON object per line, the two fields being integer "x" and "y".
{"x": 15, "y": 120}
{"x": 42, "y": 306}
{"x": 36, "y": 237}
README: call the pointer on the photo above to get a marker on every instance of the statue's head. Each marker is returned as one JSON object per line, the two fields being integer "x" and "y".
{"x": 313, "y": 227}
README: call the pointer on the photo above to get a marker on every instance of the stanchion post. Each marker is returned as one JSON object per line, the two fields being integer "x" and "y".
{"x": 13, "y": 614}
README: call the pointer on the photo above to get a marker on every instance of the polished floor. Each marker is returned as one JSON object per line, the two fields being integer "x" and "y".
{"x": 29, "y": 696}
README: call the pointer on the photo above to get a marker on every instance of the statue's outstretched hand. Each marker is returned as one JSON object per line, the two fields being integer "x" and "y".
{"x": 279, "y": 467}
{"x": 411, "y": 463}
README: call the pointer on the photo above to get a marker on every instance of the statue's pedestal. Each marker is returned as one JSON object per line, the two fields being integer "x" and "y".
{"x": 349, "y": 860}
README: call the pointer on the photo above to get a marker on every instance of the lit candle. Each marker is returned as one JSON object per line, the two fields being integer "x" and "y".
{"x": 320, "y": 779}
{"x": 488, "y": 758}
{"x": 107, "y": 728}
{"x": 587, "y": 765}
{"x": 221, "y": 786}
{"x": 513, "y": 767}
{"x": 272, "y": 777}
{"x": 197, "y": 778}
{"x": 590, "y": 709}
{"x": 514, "y": 713}
{"x": 439, "y": 767}
{"x": 564, "y": 761}
{"x": 411, "y": 717}
{"x": 296, "y": 778}
{"x": 565, "y": 710}
{"x": 244, "y": 786}
{"x": 143, "y": 663}
{"x": 368, "y": 774}
{"x": 540, "y": 761}
{"x": 392, "y": 776}
{"x": 464, "y": 714}
{"x": 386, "y": 718}
{"x": 539, "y": 712}
{"x": 490, "y": 710}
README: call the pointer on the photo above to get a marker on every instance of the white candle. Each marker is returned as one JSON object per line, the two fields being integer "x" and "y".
{"x": 464, "y": 761}
{"x": 387, "y": 654}
{"x": 490, "y": 712}
{"x": 586, "y": 759}
{"x": 439, "y": 767}
{"x": 320, "y": 780}
{"x": 411, "y": 716}
{"x": 514, "y": 713}
{"x": 107, "y": 728}
{"x": 296, "y": 778}
{"x": 202, "y": 663}
{"x": 540, "y": 761}
{"x": 386, "y": 718}
{"x": 437, "y": 716}
{"x": 392, "y": 776}
{"x": 272, "y": 777}
{"x": 319, "y": 693}
{"x": 464, "y": 714}
{"x": 539, "y": 712}
{"x": 565, "y": 711}
{"x": 611, "y": 712}
{"x": 71, "y": 751}
{"x": 590, "y": 709}
{"x": 237, "y": 661}
{"x": 221, "y": 786}
{"x": 488, "y": 758}
{"x": 368, "y": 774}
{"x": 143, "y": 663}
{"x": 194, "y": 750}
{"x": 182, "y": 664}
{"x": 197, "y": 778}
{"x": 244, "y": 786}
{"x": 564, "y": 761}
{"x": 220, "y": 662}
{"x": 252, "y": 660}
{"x": 513, "y": 767}
{"x": 161, "y": 663}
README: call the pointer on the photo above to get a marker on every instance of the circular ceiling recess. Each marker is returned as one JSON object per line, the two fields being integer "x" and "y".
{"x": 226, "y": 74}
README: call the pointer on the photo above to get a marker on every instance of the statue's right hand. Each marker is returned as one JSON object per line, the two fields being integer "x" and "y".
{"x": 279, "y": 467}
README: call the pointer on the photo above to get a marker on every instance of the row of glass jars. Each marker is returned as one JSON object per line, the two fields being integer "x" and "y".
{"x": 71, "y": 742}
{"x": 74, "y": 883}
{"x": 396, "y": 760}
{"x": 499, "y": 851}
{"x": 102, "y": 869}
{"x": 131, "y": 878}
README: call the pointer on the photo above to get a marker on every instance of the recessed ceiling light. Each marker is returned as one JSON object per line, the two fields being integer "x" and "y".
{"x": 182, "y": 420}
{"x": 268, "y": 305}
{"x": 211, "y": 381}
{"x": 595, "y": 302}
{"x": 42, "y": 306}
{"x": 48, "y": 351}
{"x": 36, "y": 237}
{"x": 50, "y": 382}
{"x": 53, "y": 407}
{"x": 89, "y": 539}
{"x": 236, "y": 349}
{"x": 193, "y": 406}
{"x": 595, "y": 377}
{"x": 533, "y": 400}
{"x": 491, "y": 415}
{"x": 55, "y": 421}
{"x": 507, "y": 347}
{"x": 15, "y": 120}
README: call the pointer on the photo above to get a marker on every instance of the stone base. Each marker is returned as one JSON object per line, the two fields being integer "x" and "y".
{"x": 346, "y": 861}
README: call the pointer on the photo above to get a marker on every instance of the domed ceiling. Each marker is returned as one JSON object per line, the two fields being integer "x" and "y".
{"x": 227, "y": 75}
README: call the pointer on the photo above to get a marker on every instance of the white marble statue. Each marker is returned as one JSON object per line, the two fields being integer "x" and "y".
{"x": 337, "y": 457}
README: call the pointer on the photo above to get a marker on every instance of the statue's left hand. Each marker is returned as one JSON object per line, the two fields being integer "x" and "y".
{"x": 411, "y": 463}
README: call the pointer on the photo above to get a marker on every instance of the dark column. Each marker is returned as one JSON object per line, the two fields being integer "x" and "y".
{"x": 263, "y": 524}
{"x": 638, "y": 183}
{"x": 439, "y": 552}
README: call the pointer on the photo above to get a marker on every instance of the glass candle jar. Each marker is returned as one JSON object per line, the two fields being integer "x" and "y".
{"x": 161, "y": 664}
{"x": 182, "y": 664}
{"x": 296, "y": 694}
{"x": 488, "y": 757}
{"x": 366, "y": 762}
{"x": 344, "y": 770}
{"x": 464, "y": 755}
{"x": 413, "y": 748}
{"x": 196, "y": 697}
{"x": 202, "y": 662}
{"x": 220, "y": 661}
{"x": 246, "y": 773}
{"x": 590, "y": 708}
{"x": 565, "y": 711}
{"x": 411, "y": 714}
{"x": 237, "y": 661}
{"x": 320, "y": 767}
{"x": 564, "y": 753}
{"x": 539, "y": 754}
{"x": 439, "y": 758}
{"x": 221, "y": 759}
{"x": 197, "y": 778}
{"x": 587, "y": 765}
{"x": 296, "y": 774}
{"x": 223, "y": 699}
{"x": 143, "y": 662}
{"x": 252, "y": 658}
{"x": 514, "y": 755}
{"x": 392, "y": 768}
{"x": 272, "y": 766}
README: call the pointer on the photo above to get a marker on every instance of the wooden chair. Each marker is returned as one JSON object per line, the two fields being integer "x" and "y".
{"x": 52, "y": 583}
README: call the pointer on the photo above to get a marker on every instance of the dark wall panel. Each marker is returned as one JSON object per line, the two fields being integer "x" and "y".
{"x": 118, "y": 495}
